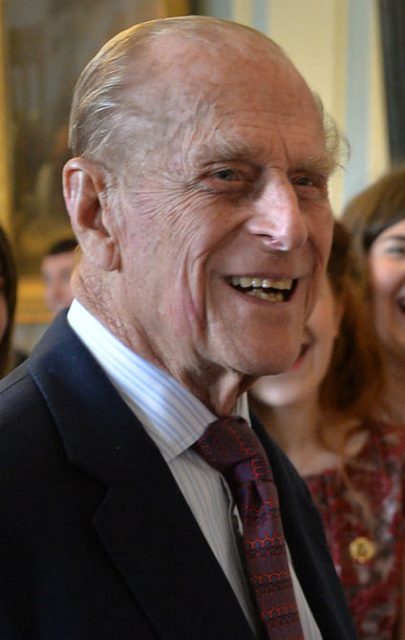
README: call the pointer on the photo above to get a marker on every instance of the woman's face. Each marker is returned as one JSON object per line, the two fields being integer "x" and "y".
{"x": 387, "y": 273}
{"x": 303, "y": 379}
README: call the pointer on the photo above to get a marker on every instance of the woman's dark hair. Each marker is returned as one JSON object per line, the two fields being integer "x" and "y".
{"x": 8, "y": 272}
{"x": 62, "y": 246}
{"x": 354, "y": 382}
{"x": 375, "y": 209}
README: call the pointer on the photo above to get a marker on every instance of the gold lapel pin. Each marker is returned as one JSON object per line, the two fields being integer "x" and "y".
{"x": 362, "y": 549}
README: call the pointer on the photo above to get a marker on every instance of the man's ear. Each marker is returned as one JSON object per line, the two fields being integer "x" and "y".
{"x": 84, "y": 189}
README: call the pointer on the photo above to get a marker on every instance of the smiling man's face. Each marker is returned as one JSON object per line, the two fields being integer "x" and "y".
{"x": 225, "y": 231}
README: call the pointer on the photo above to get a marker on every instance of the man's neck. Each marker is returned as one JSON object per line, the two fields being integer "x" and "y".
{"x": 215, "y": 387}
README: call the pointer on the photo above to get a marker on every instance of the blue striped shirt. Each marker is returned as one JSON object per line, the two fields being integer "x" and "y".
{"x": 175, "y": 419}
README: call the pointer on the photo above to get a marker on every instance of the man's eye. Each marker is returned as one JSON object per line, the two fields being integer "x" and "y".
{"x": 308, "y": 181}
{"x": 228, "y": 175}
{"x": 305, "y": 181}
{"x": 310, "y": 185}
{"x": 233, "y": 178}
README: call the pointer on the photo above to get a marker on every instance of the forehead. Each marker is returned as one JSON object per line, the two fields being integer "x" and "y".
{"x": 236, "y": 101}
{"x": 220, "y": 73}
{"x": 396, "y": 229}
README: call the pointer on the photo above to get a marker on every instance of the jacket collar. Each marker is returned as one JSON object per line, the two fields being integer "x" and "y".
{"x": 144, "y": 523}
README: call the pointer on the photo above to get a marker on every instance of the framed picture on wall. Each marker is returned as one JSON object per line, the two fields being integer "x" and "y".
{"x": 46, "y": 45}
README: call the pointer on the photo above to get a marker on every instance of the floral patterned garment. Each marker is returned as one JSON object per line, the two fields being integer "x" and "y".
{"x": 364, "y": 518}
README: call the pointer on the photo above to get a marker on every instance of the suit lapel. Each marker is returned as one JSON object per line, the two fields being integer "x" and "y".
{"x": 144, "y": 523}
{"x": 173, "y": 573}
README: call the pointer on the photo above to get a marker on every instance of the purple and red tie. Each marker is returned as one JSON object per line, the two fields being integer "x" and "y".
{"x": 232, "y": 448}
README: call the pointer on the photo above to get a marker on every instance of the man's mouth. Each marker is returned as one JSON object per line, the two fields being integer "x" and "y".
{"x": 264, "y": 288}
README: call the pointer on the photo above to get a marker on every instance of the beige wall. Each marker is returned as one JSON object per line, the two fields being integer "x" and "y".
{"x": 316, "y": 40}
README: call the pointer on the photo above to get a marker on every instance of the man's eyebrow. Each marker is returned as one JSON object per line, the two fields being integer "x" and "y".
{"x": 323, "y": 164}
{"x": 225, "y": 148}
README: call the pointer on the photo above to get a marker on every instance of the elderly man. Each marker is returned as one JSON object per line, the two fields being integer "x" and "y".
{"x": 137, "y": 501}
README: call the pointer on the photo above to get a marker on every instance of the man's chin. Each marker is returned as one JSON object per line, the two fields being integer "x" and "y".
{"x": 252, "y": 357}
{"x": 257, "y": 365}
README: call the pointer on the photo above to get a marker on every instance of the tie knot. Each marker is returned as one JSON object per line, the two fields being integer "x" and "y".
{"x": 232, "y": 448}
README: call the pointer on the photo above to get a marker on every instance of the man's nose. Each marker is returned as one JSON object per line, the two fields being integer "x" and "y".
{"x": 277, "y": 217}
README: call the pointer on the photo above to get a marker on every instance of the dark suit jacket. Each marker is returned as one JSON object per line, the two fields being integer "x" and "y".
{"x": 97, "y": 541}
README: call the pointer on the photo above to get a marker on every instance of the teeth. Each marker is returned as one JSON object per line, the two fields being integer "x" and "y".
{"x": 245, "y": 282}
{"x": 261, "y": 283}
{"x": 262, "y": 295}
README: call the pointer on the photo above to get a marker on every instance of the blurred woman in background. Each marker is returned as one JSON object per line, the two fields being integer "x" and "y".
{"x": 376, "y": 220}
{"x": 320, "y": 412}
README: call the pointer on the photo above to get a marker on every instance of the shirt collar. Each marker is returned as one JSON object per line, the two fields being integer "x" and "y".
{"x": 173, "y": 417}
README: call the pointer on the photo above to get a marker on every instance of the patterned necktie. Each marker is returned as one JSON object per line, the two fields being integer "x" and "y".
{"x": 232, "y": 448}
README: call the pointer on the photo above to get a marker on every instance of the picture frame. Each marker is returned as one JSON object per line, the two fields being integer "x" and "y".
{"x": 44, "y": 44}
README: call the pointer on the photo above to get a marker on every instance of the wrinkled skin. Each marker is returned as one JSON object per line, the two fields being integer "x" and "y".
{"x": 233, "y": 184}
